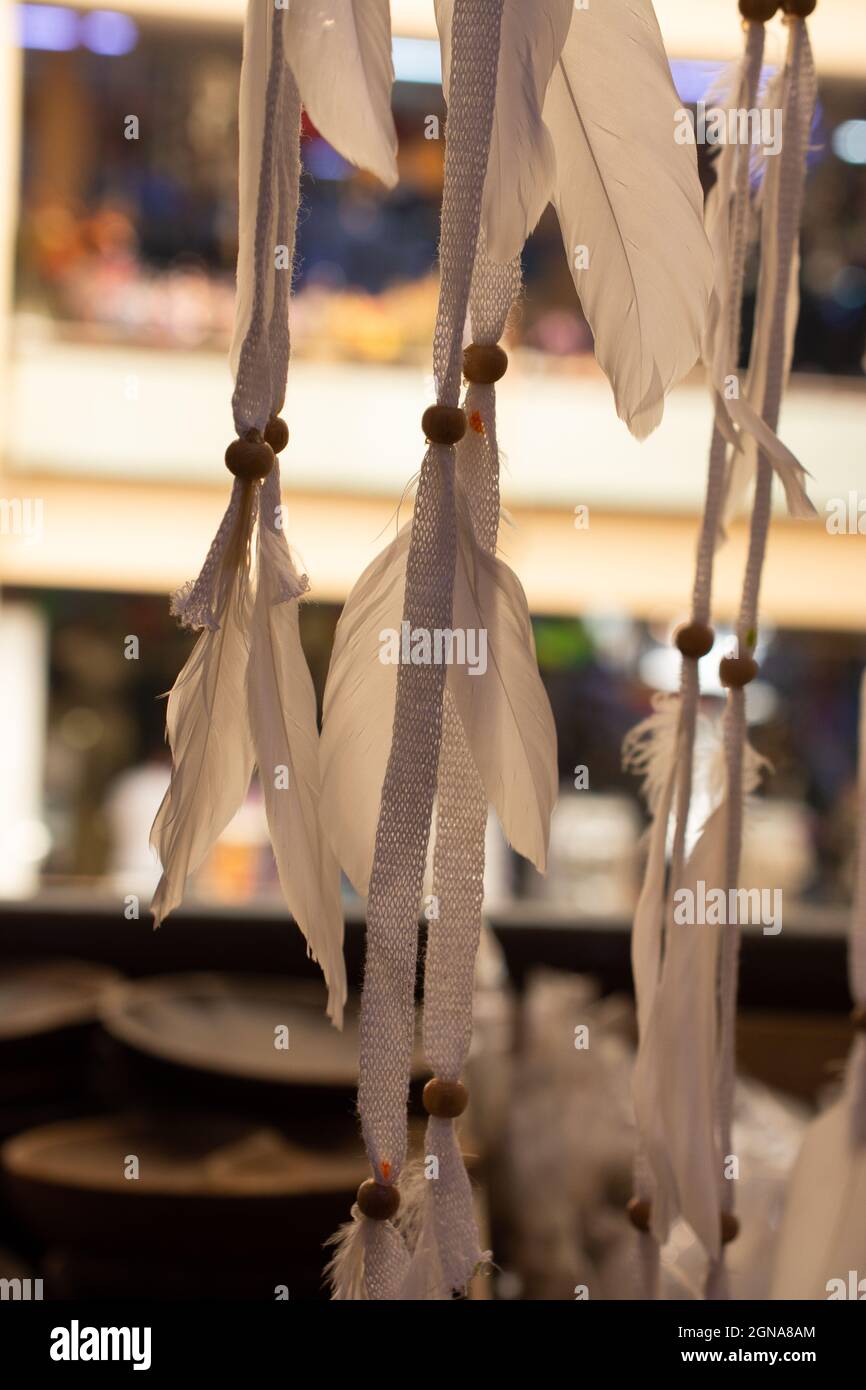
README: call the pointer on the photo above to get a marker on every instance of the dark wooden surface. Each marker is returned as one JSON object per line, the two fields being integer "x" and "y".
{"x": 798, "y": 970}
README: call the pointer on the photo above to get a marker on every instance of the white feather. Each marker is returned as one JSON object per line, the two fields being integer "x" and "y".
{"x": 823, "y": 1231}
{"x": 521, "y": 166}
{"x": 628, "y": 192}
{"x": 358, "y": 715}
{"x": 505, "y": 712}
{"x": 674, "y": 1077}
{"x": 370, "y": 1261}
{"x": 208, "y": 730}
{"x": 649, "y": 751}
{"x": 340, "y": 54}
{"x": 282, "y": 712}
{"x": 344, "y": 1271}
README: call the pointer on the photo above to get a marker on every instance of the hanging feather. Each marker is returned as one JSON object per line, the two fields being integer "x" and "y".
{"x": 522, "y": 164}
{"x": 628, "y": 194}
{"x": 340, "y": 53}
{"x": 282, "y": 711}
{"x": 675, "y": 969}
{"x": 207, "y": 724}
{"x": 504, "y": 710}
{"x": 649, "y": 751}
{"x": 245, "y": 695}
{"x": 675, "y": 1069}
{"x": 358, "y": 713}
{"x": 370, "y": 1260}
{"x": 823, "y": 1234}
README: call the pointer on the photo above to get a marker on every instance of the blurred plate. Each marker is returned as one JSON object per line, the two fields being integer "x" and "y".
{"x": 207, "y": 1186}
{"x": 230, "y": 1026}
{"x": 39, "y": 997}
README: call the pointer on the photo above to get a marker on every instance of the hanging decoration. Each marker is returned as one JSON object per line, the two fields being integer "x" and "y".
{"x": 416, "y": 732}
{"x": 434, "y": 705}
{"x": 418, "y": 582}
{"x": 685, "y": 975}
{"x": 245, "y": 698}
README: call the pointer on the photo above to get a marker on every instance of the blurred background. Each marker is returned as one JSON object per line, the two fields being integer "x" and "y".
{"x": 118, "y": 216}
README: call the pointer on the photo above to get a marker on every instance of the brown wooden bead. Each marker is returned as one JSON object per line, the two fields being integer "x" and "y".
{"x": 800, "y": 8}
{"x": 694, "y": 639}
{"x": 484, "y": 363}
{"x": 277, "y": 434}
{"x": 737, "y": 671}
{"x": 250, "y": 457}
{"x": 758, "y": 11}
{"x": 730, "y": 1227}
{"x": 639, "y": 1213}
{"x": 858, "y": 1018}
{"x": 378, "y": 1200}
{"x": 443, "y": 424}
{"x": 445, "y": 1099}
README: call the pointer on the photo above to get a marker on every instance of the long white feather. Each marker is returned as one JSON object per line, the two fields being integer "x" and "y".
{"x": 674, "y": 1077}
{"x": 505, "y": 712}
{"x": 522, "y": 164}
{"x": 823, "y": 1231}
{"x": 340, "y": 54}
{"x": 208, "y": 730}
{"x": 282, "y": 712}
{"x": 629, "y": 193}
{"x": 649, "y": 750}
{"x": 358, "y": 715}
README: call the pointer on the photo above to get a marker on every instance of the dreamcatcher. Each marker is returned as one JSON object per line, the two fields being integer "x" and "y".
{"x": 546, "y": 102}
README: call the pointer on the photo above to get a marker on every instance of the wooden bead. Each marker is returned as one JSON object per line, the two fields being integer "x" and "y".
{"x": 694, "y": 639}
{"x": 737, "y": 671}
{"x": 758, "y": 11}
{"x": 484, "y": 363}
{"x": 800, "y": 8}
{"x": 277, "y": 434}
{"x": 250, "y": 457}
{"x": 378, "y": 1201}
{"x": 443, "y": 424}
{"x": 858, "y": 1018}
{"x": 445, "y": 1099}
{"x": 730, "y": 1227}
{"x": 639, "y": 1213}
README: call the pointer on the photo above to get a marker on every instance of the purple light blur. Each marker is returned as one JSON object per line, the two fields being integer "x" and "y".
{"x": 109, "y": 33}
{"x": 56, "y": 29}
{"x": 49, "y": 27}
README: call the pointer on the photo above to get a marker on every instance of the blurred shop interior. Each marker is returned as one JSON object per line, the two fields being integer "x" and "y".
{"x": 118, "y": 222}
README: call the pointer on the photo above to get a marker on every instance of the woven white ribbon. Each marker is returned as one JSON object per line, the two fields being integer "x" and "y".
{"x": 461, "y": 821}
{"x": 396, "y": 881}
